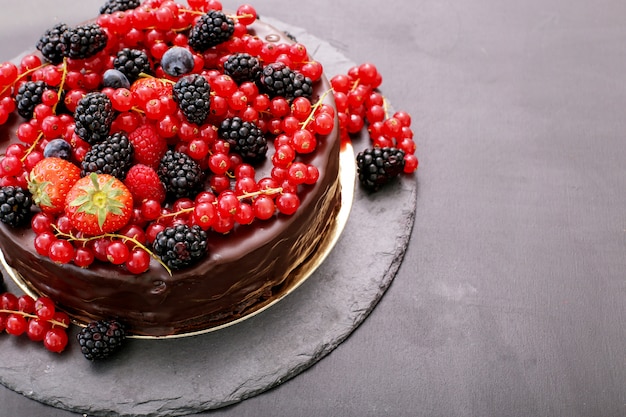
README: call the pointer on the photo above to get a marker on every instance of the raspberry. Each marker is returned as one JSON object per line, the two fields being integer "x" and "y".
{"x": 181, "y": 175}
{"x": 112, "y": 156}
{"x": 100, "y": 339}
{"x": 93, "y": 117}
{"x": 242, "y": 67}
{"x": 193, "y": 95}
{"x": 278, "y": 80}
{"x": 15, "y": 205}
{"x": 84, "y": 41}
{"x": 378, "y": 166}
{"x": 51, "y": 43}
{"x": 245, "y": 138}
{"x": 149, "y": 146}
{"x": 180, "y": 245}
{"x": 131, "y": 63}
{"x": 210, "y": 30}
{"x": 28, "y": 96}
{"x": 112, "y": 6}
{"x": 144, "y": 184}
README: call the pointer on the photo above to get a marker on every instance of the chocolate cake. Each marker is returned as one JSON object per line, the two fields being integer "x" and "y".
{"x": 243, "y": 268}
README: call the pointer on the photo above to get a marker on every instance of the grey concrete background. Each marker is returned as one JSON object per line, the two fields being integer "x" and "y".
{"x": 511, "y": 300}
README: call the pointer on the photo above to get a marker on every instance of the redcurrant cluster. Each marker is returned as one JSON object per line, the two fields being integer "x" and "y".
{"x": 38, "y": 318}
{"x": 360, "y": 104}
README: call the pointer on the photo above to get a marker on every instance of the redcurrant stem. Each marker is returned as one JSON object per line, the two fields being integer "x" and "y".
{"x": 33, "y": 316}
{"x": 315, "y": 107}
{"x": 144, "y": 75}
{"x": 60, "y": 93}
{"x": 70, "y": 237}
{"x": 22, "y": 75}
{"x": 31, "y": 147}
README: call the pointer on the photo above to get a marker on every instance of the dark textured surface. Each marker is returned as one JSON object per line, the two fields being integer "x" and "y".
{"x": 511, "y": 300}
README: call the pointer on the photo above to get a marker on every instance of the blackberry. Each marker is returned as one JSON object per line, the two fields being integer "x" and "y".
{"x": 51, "y": 44}
{"x": 28, "y": 97}
{"x": 181, "y": 175}
{"x": 113, "y": 156}
{"x": 245, "y": 138}
{"x": 131, "y": 63}
{"x": 193, "y": 95}
{"x": 210, "y": 30}
{"x": 93, "y": 117}
{"x": 378, "y": 166}
{"x": 278, "y": 80}
{"x": 112, "y": 6}
{"x": 242, "y": 67}
{"x": 180, "y": 245}
{"x": 15, "y": 205}
{"x": 100, "y": 339}
{"x": 84, "y": 41}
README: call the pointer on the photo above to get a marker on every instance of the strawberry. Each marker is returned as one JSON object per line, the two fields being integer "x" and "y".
{"x": 149, "y": 147}
{"x": 49, "y": 182}
{"x": 99, "y": 203}
{"x": 144, "y": 184}
{"x": 146, "y": 89}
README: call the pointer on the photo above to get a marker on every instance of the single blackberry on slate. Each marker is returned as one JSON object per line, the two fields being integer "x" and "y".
{"x": 193, "y": 95}
{"x": 180, "y": 245}
{"x": 28, "y": 96}
{"x": 51, "y": 44}
{"x": 113, "y": 156}
{"x": 15, "y": 205}
{"x": 378, "y": 166}
{"x": 93, "y": 117}
{"x": 181, "y": 175}
{"x": 210, "y": 30}
{"x": 277, "y": 79}
{"x": 112, "y": 6}
{"x": 84, "y": 41}
{"x": 100, "y": 339}
{"x": 245, "y": 138}
{"x": 242, "y": 67}
{"x": 131, "y": 63}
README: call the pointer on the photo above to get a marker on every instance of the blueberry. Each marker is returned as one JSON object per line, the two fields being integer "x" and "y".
{"x": 177, "y": 61}
{"x": 59, "y": 148}
{"x": 115, "y": 79}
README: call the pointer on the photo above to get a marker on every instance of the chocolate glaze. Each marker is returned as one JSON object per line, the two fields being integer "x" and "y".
{"x": 243, "y": 268}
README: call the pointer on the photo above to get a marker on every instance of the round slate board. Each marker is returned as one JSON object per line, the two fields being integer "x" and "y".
{"x": 189, "y": 375}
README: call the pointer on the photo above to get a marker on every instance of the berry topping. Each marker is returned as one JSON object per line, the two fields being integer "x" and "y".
{"x": 115, "y": 79}
{"x": 149, "y": 147}
{"x": 28, "y": 96}
{"x": 211, "y": 29}
{"x": 99, "y": 203}
{"x": 111, "y": 6}
{"x": 378, "y": 166}
{"x": 84, "y": 41}
{"x": 242, "y": 67}
{"x": 101, "y": 339}
{"x": 15, "y": 204}
{"x": 180, "y": 245}
{"x": 49, "y": 182}
{"x": 278, "y": 80}
{"x": 51, "y": 44}
{"x": 177, "y": 61}
{"x": 144, "y": 184}
{"x": 94, "y": 115}
{"x": 181, "y": 175}
{"x": 131, "y": 63}
{"x": 113, "y": 156}
{"x": 193, "y": 95}
{"x": 245, "y": 138}
{"x": 59, "y": 148}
